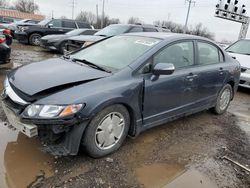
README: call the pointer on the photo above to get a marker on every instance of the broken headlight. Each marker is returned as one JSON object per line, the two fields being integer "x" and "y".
{"x": 51, "y": 111}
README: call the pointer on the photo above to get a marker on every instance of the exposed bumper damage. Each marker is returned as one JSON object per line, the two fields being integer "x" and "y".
{"x": 61, "y": 137}
{"x": 64, "y": 143}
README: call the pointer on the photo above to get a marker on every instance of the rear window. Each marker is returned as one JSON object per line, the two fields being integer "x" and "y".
{"x": 150, "y": 30}
{"x": 83, "y": 25}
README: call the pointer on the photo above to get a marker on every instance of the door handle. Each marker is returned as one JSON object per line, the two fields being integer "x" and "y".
{"x": 192, "y": 76}
{"x": 221, "y": 71}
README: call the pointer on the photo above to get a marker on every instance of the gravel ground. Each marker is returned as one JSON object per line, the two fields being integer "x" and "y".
{"x": 161, "y": 154}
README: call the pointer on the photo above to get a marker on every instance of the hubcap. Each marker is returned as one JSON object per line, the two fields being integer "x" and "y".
{"x": 109, "y": 131}
{"x": 225, "y": 99}
{"x": 36, "y": 40}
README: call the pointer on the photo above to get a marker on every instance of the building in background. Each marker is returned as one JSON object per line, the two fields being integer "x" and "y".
{"x": 9, "y": 16}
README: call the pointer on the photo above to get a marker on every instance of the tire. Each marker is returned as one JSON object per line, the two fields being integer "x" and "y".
{"x": 35, "y": 39}
{"x": 97, "y": 137}
{"x": 221, "y": 107}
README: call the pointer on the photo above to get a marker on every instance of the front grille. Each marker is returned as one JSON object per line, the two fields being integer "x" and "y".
{"x": 44, "y": 42}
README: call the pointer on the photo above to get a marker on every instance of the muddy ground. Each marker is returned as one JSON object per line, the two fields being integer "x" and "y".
{"x": 187, "y": 153}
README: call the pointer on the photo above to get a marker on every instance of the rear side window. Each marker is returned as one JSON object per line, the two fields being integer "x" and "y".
{"x": 83, "y": 25}
{"x": 208, "y": 54}
{"x": 150, "y": 30}
{"x": 180, "y": 55}
{"x": 136, "y": 29}
{"x": 69, "y": 24}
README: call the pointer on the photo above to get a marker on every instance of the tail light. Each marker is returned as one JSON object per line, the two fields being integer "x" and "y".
{"x": 6, "y": 31}
{"x": 2, "y": 40}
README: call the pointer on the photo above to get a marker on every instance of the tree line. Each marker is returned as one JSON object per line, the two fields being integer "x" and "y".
{"x": 29, "y": 6}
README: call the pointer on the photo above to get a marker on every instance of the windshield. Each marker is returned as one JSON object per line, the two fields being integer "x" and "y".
{"x": 117, "y": 52}
{"x": 113, "y": 30}
{"x": 75, "y": 32}
{"x": 240, "y": 47}
{"x": 44, "y": 22}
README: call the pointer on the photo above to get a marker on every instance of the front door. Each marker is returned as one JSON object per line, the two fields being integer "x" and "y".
{"x": 168, "y": 95}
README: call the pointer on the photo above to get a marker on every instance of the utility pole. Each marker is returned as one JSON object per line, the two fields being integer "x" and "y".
{"x": 190, "y": 2}
{"x": 97, "y": 15}
{"x": 73, "y": 9}
{"x": 103, "y": 5}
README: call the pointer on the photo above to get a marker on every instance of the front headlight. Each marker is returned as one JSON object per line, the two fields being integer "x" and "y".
{"x": 51, "y": 111}
{"x": 24, "y": 28}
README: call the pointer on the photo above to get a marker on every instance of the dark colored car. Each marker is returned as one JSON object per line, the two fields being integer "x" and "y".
{"x": 4, "y": 50}
{"x": 77, "y": 42}
{"x": 58, "y": 42}
{"x": 117, "y": 87}
{"x": 32, "y": 34}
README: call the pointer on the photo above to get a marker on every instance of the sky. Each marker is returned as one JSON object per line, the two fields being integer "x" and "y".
{"x": 150, "y": 10}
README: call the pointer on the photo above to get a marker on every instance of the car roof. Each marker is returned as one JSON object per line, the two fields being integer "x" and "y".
{"x": 164, "y": 35}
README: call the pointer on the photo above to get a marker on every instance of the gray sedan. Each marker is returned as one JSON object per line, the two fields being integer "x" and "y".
{"x": 117, "y": 87}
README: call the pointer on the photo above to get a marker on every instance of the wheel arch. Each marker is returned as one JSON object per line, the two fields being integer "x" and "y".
{"x": 119, "y": 101}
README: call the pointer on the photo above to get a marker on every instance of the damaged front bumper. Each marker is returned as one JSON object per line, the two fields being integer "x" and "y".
{"x": 59, "y": 137}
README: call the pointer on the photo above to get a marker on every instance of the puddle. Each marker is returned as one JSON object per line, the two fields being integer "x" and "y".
{"x": 21, "y": 159}
{"x": 191, "y": 179}
{"x": 157, "y": 175}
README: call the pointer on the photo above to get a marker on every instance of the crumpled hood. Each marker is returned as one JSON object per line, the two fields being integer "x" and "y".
{"x": 37, "y": 77}
{"x": 244, "y": 60}
{"x": 87, "y": 38}
{"x": 55, "y": 37}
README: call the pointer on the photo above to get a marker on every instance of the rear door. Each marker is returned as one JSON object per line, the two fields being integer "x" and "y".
{"x": 168, "y": 95}
{"x": 212, "y": 73}
{"x": 68, "y": 25}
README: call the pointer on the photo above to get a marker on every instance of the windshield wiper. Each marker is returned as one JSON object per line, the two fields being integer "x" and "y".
{"x": 230, "y": 51}
{"x": 102, "y": 35}
{"x": 91, "y": 64}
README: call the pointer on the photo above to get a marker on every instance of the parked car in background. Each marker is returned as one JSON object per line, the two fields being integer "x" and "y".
{"x": 241, "y": 51}
{"x": 58, "y": 42}
{"x": 32, "y": 34}
{"x": 13, "y": 26}
{"x": 75, "y": 43}
{"x": 4, "y": 50}
{"x": 7, "y": 33}
{"x": 117, "y": 87}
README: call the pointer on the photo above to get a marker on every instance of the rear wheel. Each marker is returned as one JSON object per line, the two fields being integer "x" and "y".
{"x": 35, "y": 39}
{"x": 223, "y": 100}
{"x": 107, "y": 131}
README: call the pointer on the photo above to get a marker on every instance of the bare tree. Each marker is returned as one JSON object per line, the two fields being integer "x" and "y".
{"x": 26, "y": 6}
{"x": 3, "y": 3}
{"x": 178, "y": 28}
{"x": 134, "y": 20}
{"x": 88, "y": 17}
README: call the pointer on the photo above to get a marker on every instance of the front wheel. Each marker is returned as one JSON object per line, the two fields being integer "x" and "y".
{"x": 223, "y": 100}
{"x": 35, "y": 39}
{"x": 107, "y": 131}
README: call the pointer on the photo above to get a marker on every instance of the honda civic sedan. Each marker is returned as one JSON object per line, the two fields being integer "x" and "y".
{"x": 120, "y": 86}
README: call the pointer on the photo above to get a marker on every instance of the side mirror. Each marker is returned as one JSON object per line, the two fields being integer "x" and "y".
{"x": 163, "y": 69}
{"x": 50, "y": 25}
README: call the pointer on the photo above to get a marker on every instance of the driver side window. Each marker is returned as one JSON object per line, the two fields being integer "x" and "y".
{"x": 56, "y": 23}
{"x": 180, "y": 55}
